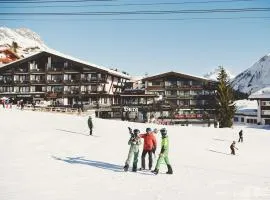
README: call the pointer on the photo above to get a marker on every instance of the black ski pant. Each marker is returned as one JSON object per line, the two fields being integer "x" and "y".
{"x": 90, "y": 131}
{"x": 232, "y": 151}
{"x": 150, "y": 152}
{"x": 240, "y": 139}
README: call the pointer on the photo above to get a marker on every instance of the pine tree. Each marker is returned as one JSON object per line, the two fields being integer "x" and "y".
{"x": 225, "y": 98}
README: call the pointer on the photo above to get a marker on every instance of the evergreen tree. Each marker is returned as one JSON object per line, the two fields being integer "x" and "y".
{"x": 225, "y": 98}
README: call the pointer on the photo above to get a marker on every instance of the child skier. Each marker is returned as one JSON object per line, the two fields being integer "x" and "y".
{"x": 163, "y": 153}
{"x": 233, "y": 147}
{"x": 134, "y": 142}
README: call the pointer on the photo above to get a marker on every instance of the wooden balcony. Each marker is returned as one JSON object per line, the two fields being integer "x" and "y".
{"x": 37, "y": 71}
{"x": 54, "y": 70}
{"x": 38, "y": 82}
{"x": 155, "y": 88}
{"x": 22, "y": 82}
{"x": 55, "y": 81}
{"x": 71, "y": 81}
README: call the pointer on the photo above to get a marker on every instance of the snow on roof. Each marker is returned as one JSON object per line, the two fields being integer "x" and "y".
{"x": 160, "y": 74}
{"x": 91, "y": 64}
{"x": 261, "y": 94}
{"x": 51, "y": 51}
{"x": 246, "y": 104}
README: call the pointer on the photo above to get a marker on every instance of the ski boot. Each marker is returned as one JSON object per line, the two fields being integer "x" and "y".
{"x": 155, "y": 171}
{"x": 126, "y": 168}
{"x": 170, "y": 171}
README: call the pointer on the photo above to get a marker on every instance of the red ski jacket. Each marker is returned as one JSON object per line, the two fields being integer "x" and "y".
{"x": 150, "y": 141}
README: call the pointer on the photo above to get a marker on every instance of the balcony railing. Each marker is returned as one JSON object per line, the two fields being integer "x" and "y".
{"x": 37, "y": 70}
{"x": 54, "y": 70}
{"x": 22, "y": 82}
{"x": 19, "y": 71}
{"x": 70, "y": 70}
{"x": 72, "y": 92}
{"x": 55, "y": 81}
{"x": 38, "y": 81}
{"x": 70, "y": 81}
{"x": 6, "y": 82}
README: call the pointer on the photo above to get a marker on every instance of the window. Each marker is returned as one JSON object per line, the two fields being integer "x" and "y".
{"x": 157, "y": 83}
{"x": 242, "y": 119}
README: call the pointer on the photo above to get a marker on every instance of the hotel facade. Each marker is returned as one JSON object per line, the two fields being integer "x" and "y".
{"x": 66, "y": 81}
{"x": 60, "y": 79}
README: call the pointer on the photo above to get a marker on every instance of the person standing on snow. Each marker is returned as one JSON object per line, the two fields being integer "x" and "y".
{"x": 90, "y": 124}
{"x": 164, "y": 153}
{"x": 134, "y": 142}
{"x": 233, "y": 147}
{"x": 149, "y": 146}
{"x": 240, "y": 136}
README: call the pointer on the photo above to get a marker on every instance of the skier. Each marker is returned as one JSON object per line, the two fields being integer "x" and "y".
{"x": 90, "y": 124}
{"x": 163, "y": 153}
{"x": 149, "y": 146}
{"x": 240, "y": 136}
{"x": 134, "y": 142}
{"x": 233, "y": 147}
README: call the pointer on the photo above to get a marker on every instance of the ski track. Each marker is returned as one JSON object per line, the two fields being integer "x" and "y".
{"x": 50, "y": 156}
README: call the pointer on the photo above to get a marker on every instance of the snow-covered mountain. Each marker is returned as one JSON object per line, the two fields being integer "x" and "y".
{"x": 214, "y": 74}
{"x": 28, "y": 41}
{"x": 254, "y": 78}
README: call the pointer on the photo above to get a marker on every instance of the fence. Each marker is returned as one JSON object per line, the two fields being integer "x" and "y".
{"x": 54, "y": 109}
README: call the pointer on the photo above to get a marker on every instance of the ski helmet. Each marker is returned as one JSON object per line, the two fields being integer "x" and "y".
{"x": 163, "y": 131}
{"x": 148, "y": 129}
{"x": 136, "y": 131}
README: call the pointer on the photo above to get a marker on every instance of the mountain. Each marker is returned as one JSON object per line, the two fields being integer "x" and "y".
{"x": 254, "y": 78}
{"x": 28, "y": 41}
{"x": 214, "y": 74}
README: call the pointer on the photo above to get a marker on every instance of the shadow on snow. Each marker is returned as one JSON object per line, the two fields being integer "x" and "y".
{"x": 93, "y": 163}
{"x": 67, "y": 131}
{"x": 218, "y": 152}
{"x": 222, "y": 140}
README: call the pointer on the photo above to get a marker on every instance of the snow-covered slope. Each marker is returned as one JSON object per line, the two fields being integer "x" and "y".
{"x": 28, "y": 41}
{"x": 48, "y": 156}
{"x": 214, "y": 74}
{"x": 254, "y": 78}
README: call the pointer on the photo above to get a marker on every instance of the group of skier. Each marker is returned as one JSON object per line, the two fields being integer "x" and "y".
{"x": 232, "y": 146}
{"x": 149, "y": 147}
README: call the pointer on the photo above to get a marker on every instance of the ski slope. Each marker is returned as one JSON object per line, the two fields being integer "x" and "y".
{"x": 47, "y": 156}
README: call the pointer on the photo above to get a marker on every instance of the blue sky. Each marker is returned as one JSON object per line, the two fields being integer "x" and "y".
{"x": 139, "y": 44}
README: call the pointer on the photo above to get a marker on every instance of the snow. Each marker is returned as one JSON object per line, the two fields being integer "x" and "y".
{"x": 31, "y": 44}
{"x": 261, "y": 94}
{"x": 247, "y": 107}
{"x": 49, "y": 156}
{"x": 214, "y": 74}
{"x": 246, "y": 104}
{"x": 254, "y": 78}
{"x": 193, "y": 76}
{"x": 23, "y": 36}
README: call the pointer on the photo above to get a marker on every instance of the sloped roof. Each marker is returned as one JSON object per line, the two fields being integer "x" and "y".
{"x": 177, "y": 74}
{"x": 119, "y": 74}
